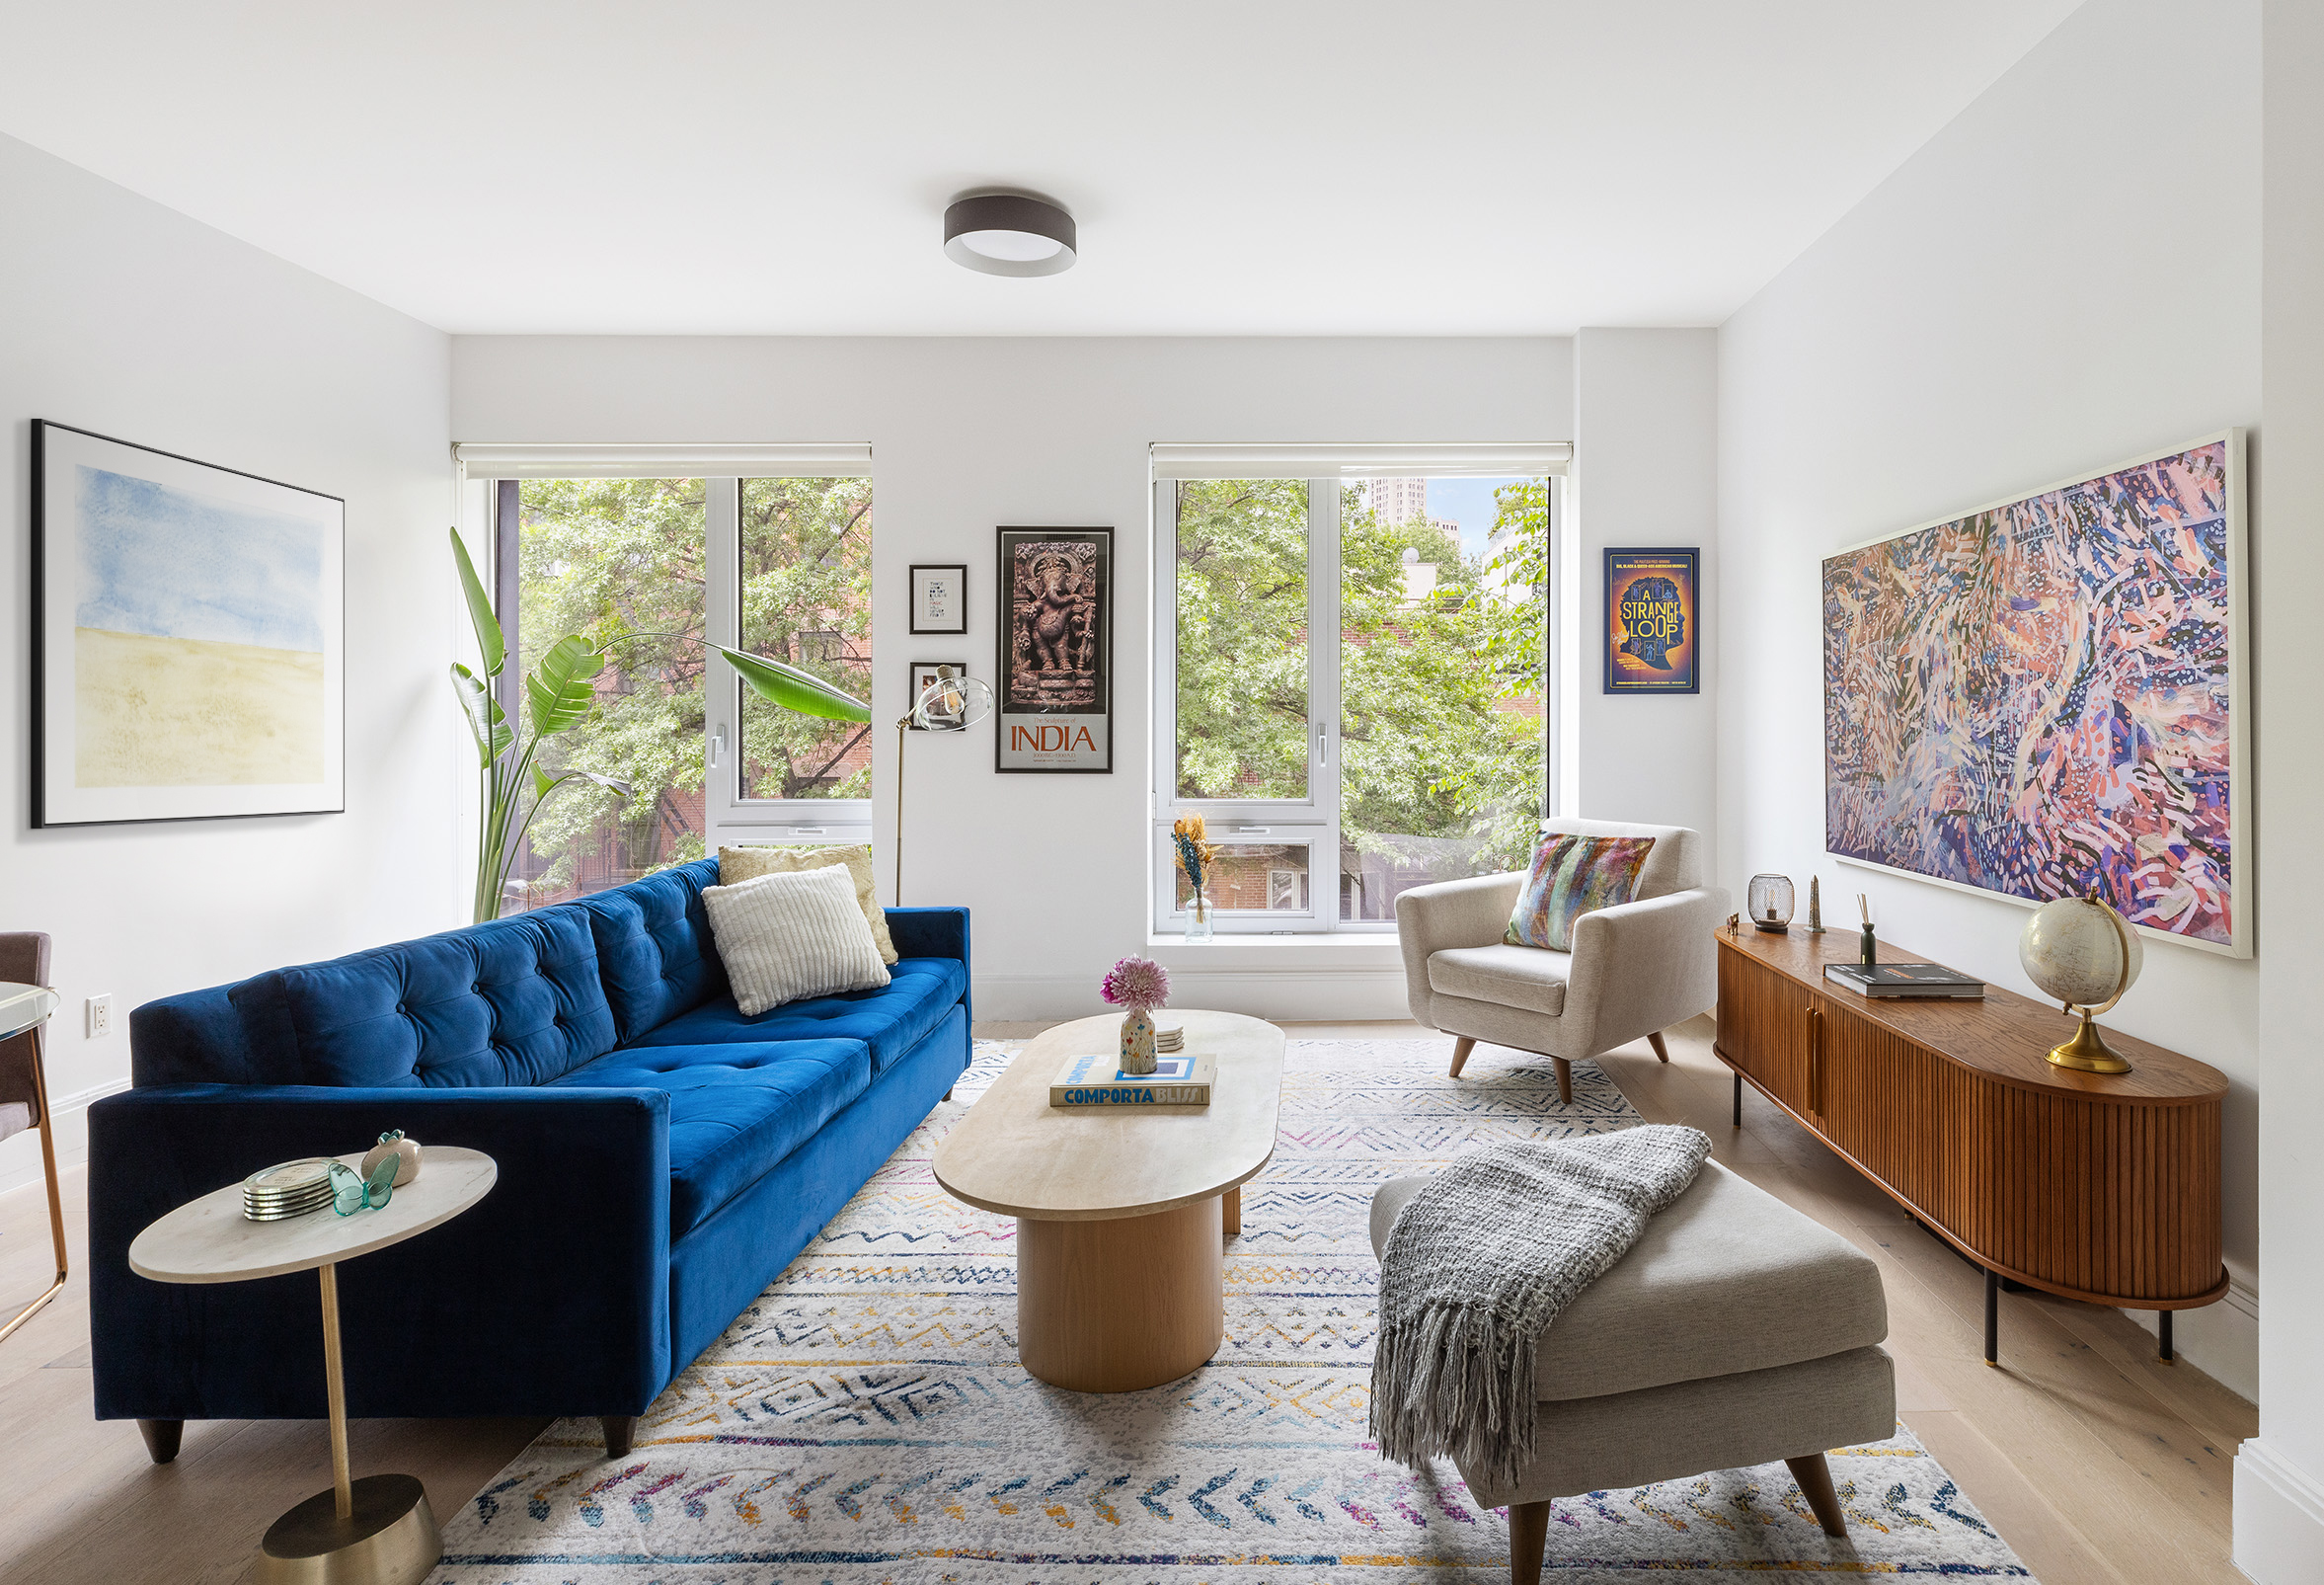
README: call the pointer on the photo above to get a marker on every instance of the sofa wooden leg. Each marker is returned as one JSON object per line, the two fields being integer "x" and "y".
{"x": 1528, "y": 1533}
{"x": 1460, "y": 1053}
{"x": 1565, "y": 1081}
{"x": 1661, "y": 1052}
{"x": 162, "y": 1438}
{"x": 620, "y": 1431}
{"x": 1815, "y": 1479}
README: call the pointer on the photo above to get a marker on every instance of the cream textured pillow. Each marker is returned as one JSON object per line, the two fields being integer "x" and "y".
{"x": 737, "y": 865}
{"x": 793, "y": 935}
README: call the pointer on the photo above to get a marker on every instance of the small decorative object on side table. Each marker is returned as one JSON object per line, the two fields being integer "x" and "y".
{"x": 2082, "y": 951}
{"x": 1867, "y": 950}
{"x": 1815, "y": 904}
{"x": 1142, "y": 985}
{"x": 1771, "y": 903}
{"x": 377, "y": 1530}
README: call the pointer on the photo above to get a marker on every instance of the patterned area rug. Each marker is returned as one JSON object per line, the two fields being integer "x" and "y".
{"x": 867, "y": 1419}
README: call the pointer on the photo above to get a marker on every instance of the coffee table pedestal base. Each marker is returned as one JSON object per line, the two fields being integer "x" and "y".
{"x": 390, "y": 1540}
{"x": 1123, "y": 1304}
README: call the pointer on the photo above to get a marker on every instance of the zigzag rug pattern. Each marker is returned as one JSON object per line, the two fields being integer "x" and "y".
{"x": 866, "y": 1419}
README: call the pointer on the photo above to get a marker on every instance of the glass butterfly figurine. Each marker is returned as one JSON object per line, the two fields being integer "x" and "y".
{"x": 351, "y": 1192}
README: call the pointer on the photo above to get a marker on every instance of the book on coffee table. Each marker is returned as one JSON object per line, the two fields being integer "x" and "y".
{"x": 1181, "y": 1080}
{"x": 1905, "y": 981}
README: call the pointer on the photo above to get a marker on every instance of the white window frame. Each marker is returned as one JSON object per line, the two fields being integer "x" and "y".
{"x": 1316, "y": 819}
{"x": 727, "y": 817}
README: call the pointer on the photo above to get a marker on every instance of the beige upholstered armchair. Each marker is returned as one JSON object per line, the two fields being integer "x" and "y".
{"x": 1635, "y": 970}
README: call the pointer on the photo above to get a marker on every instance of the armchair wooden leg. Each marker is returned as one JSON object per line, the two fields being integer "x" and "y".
{"x": 620, "y": 1431}
{"x": 1661, "y": 1052}
{"x": 1528, "y": 1533}
{"x": 162, "y": 1438}
{"x": 1565, "y": 1081}
{"x": 1460, "y": 1053}
{"x": 1815, "y": 1479}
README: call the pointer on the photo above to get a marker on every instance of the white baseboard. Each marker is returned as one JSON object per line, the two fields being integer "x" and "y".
{"x": 20, "y": 1155}
{"x": 1309, "y": 991}
{"x": 2278, "y": 1518}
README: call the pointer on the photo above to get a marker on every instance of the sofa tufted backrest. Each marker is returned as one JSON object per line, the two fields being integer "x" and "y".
{"x": 515, "y": 1001}
{"x": 655, "y": 948}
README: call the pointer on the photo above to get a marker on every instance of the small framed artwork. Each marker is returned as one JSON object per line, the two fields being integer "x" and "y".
{"x": 1654, "y": 627}
{"x": 188, "y": 632}
{"x": 923, "y": 674}
{"x": 940, "y": 598}
{"x": 1056, "y": 651}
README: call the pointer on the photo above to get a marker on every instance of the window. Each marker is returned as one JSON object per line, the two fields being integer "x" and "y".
{"x": 1353, "y": 673}
{"x": 777, "y": 562}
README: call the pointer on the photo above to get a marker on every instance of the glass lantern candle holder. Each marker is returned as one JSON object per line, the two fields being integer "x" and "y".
{"x": 1771, "y": 903}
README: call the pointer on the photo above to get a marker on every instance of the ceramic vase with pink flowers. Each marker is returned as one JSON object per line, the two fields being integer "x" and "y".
{"x": 1140, "y": 984}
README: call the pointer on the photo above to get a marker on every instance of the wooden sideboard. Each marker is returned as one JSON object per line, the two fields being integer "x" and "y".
{"x": 2093, "y": 1186}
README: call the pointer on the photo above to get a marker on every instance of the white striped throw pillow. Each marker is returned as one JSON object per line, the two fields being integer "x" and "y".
{"x": 795, "y": 934}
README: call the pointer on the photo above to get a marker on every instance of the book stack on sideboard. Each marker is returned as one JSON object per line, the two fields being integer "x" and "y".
{"x": 2093, "y": 1186}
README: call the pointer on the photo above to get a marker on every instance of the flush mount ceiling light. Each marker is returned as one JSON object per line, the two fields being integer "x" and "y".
{"x": 1009, "y": 234}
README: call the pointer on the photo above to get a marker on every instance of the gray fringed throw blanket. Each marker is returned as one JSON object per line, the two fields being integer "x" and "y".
{"x": 1482, "y": 1259}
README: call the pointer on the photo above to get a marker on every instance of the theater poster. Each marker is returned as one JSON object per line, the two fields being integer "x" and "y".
{"x": 1056, "y": 650}
{"x": 1654, "y": 626}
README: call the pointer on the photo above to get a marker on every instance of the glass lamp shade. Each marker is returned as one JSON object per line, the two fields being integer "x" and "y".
{"x": 1771, "y": 902}
{"x": 952, "y": 704}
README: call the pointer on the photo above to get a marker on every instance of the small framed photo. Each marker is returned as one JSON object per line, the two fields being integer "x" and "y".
{"x": 940, "y": 598}
{"x": 923, "y": 674}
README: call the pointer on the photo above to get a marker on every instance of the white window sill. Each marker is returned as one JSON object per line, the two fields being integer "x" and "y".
{"x": 1336, "y": 949}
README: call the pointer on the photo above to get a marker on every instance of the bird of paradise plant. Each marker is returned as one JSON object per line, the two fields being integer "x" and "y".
{"x": 561, "y": 693}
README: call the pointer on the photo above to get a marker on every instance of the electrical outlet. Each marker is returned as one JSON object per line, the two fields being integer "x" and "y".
{"x": 99, "y": 1017}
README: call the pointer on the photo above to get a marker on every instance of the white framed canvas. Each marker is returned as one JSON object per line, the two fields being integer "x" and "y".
{"x": 188, "y": 638}
{"x": 2045, "y": 696}
{"x": 940, "y": 598}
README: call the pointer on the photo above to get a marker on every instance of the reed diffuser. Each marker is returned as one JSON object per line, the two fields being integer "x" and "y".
{"x": 1868, "y": 957}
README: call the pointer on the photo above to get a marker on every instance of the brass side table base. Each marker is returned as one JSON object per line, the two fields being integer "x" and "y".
{"x": 390, "y": 1538}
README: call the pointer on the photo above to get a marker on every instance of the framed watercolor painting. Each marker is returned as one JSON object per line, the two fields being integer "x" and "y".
{"x": 1654, "y": 627}
{"x": 1056, "y": 651}
{"x": 2045, "y": 698}
{"x": 940, "y": 600}
{"x": 188, "y": 638}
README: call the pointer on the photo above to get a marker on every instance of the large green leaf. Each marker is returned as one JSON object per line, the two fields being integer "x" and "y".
{"x": 489, "y": 642}
{"x": 561, "y": 689}
{"x": 487, "y": 721}
{"x": 793, "y": 689}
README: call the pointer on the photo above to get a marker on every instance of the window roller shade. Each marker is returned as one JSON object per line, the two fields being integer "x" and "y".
{"x": 1173, "y": 462}
{"x": 664, "y": 461}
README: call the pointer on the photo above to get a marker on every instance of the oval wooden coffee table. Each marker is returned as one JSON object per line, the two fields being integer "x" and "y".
{"x": 1121, "y": 1210}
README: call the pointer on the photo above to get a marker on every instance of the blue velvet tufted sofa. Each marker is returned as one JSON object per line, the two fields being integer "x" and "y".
{"x": 662, "y": 1156}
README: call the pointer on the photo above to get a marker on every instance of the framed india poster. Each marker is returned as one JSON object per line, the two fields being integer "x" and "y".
{"x": 1654, "y": 627}
{"x": 2045, "y": 696}
{"x": 188, "y": 638}
{"x": 1056, "y": 651}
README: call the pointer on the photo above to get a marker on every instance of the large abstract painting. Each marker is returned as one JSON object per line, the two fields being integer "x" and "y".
{"x": 188, "y": 638}
{"x": 2044, "y": 698}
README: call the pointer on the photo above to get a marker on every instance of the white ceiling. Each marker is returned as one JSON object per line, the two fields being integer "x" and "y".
{"x": 1236, "y": 166}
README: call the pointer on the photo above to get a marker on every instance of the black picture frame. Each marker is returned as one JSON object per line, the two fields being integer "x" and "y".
{"x": 959, "y": 575}
{"x": 60, "y": 796}
{"x": 1053, "y": 651}
{"x": 923, "y": 672}
{"x": 1670, "y": 575}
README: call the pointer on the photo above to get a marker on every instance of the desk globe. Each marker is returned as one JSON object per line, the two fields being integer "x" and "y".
{"x": 2081, "y": 952}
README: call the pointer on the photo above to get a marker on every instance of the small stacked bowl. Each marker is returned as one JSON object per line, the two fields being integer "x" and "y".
{"x": 289, "y": 1189}
{"x": 1169, "y": 1038}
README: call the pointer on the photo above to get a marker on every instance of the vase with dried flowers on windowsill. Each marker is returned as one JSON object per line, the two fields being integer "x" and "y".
{"x": 1140, "y": 984}
{"x": 1194, "y": 854}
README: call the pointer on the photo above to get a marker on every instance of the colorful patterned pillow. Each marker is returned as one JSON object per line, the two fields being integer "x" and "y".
{"x": 1571, "y": 877}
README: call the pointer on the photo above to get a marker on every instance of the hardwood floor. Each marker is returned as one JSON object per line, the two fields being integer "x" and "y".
{"x": 2098, "y": 1463}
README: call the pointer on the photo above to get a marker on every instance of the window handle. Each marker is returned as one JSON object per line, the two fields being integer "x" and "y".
{"x": 718, "y": 748}
{"x": 1251, "y": 831}
{"x": 1323, "y": 748}
{"x": 807, "y": 830}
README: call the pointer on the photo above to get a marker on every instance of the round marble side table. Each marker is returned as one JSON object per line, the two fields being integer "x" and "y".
{"x": 376, "y": 1531}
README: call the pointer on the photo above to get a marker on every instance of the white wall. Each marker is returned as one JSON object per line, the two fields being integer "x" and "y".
{"x": 968, "y": 434}
{"x": 2065, "y": 275}
{"x": 1645, "y": 473}
{"x": 128, "y": 319}
{"x": 2280, "y": 1475}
